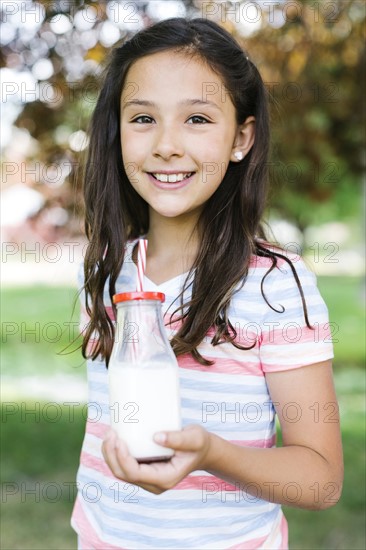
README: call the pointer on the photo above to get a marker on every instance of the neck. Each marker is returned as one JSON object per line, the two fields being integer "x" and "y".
{"x": 172, "y": 238}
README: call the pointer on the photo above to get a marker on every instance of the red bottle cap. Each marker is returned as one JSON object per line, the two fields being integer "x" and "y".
{"x": 125, "y": 296}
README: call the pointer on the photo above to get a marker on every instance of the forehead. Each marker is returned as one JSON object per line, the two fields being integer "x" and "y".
{"x": 173, "y": 74}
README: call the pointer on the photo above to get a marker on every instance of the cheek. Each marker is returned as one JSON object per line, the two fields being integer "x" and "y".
{"x": 215, "y": 157}
{"x": 132, "y": 159}
{"x": 126, "y": 147}
{"x": 131, "y": 142}
{"x": 217, "y": 147}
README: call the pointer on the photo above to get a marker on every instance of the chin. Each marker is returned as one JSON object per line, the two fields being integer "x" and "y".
{"x": 170, "y": 212}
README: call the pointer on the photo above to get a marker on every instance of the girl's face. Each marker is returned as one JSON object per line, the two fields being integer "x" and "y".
{"x": 178, "y": 132}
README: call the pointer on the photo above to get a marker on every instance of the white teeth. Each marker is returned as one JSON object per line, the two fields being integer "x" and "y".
{"x": 171, "y": 178}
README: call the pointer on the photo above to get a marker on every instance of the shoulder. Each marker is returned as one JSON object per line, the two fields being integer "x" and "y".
{"x": 281, "y": 266}
{"x": 287, "y": 285}
{"x": 295, "y": 326}
{"x": 275, "y": 282}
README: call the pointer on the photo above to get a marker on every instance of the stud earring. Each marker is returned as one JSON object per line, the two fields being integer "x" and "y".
{"x": 238, "y": 155}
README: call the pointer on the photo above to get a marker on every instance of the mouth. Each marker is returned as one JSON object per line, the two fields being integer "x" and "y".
{"x": 171, "y": 178}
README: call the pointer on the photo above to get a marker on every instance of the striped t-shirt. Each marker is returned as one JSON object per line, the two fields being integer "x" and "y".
{"x": 229, "y": 398}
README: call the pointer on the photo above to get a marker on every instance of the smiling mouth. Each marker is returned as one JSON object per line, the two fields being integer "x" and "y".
{"x": 171, "y": 178}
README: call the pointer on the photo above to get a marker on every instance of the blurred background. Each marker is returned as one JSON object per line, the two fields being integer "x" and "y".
{"x": 312, "y": 57}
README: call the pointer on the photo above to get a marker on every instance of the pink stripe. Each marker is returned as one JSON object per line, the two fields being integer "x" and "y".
{"x": 250, "y": 545}
{"x": 91, "y": 344}
{"x": 284, "y": 533}
{"x": 89, "y": 538}
{"x": 281, "y": 530}
{"x": 262, "y": 262}
{"x": 221, "y": 365}
{"x": 110, "y": 312}
{"x": 83, "y": 545}
{"x": 260, "y": 443}
{"x": 97, "y": 428}
{"x": 246, "y": 334}
{"x": 280, "y": 367}
{"x": 95, "y": 463}
{"x": 294, "y": 333}
{"x": 210, "y": 483}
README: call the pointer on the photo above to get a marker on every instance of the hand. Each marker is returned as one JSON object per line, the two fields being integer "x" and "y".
{"x": 191, "y": 446}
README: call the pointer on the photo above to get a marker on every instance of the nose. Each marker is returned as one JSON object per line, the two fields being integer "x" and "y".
{"x": 168, "y": 142}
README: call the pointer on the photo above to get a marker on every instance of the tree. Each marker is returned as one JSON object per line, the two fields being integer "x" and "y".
{"x": 311, "y": 56}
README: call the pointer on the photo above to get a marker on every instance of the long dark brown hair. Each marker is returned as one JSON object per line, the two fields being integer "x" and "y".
{"x": 229, "y": 227}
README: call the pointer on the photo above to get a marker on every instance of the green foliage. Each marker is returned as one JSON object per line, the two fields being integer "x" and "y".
{"x": 311, "y": 57}
{"x": 310, "y": 65}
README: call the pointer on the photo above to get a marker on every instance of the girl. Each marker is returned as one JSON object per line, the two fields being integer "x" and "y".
{"x": 178, "y": 154}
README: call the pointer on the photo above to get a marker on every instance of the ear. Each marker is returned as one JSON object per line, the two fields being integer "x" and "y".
{"x": 244, "y": 139}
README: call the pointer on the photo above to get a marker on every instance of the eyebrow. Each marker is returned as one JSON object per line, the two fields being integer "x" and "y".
{"x": 186, "y": 102}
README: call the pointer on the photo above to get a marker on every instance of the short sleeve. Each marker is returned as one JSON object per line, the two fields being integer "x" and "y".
{"x": 286, "y": 341}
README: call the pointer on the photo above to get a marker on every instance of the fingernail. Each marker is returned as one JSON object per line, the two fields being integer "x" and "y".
{"x": 160, "y": 437}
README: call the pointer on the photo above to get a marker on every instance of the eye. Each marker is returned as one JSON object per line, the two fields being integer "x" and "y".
{"x": 143, "y": 119}
{"x": 197, "y": 119}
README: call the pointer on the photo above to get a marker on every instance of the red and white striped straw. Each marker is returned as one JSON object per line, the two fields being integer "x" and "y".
{"x": 141, "y": 263}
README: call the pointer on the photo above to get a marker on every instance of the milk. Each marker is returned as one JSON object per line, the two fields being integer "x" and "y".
{"x": 144, "y": 399}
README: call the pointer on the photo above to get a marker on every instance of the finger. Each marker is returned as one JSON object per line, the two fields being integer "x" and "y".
{"x": 116, "y": 453}
{"x": 126, "y": 467}
{"x": 109, "y": 443}
{"x": 191, "y": 438}
{"x": 155, "y": 477}
{"x": 127, "y": 463}
{"x": 128, "y": 472}
{"x": 122, "y": 463}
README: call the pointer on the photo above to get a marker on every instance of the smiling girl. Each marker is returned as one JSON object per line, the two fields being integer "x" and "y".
{"x": 178, "y": 155}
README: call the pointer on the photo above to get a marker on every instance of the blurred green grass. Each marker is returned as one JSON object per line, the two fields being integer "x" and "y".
{"x": 39, "y": 325}
{"x": 345, "y": 298}
{"x": 39, "y": 464}
{"x": 36, "y": 450}
{"x": 340, "y": 527}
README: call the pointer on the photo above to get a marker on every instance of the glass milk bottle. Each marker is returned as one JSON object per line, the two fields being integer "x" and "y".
{"x": 143, "y": 376}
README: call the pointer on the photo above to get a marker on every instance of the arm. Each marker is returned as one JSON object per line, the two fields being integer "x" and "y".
{"x": 307, "y": 472}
